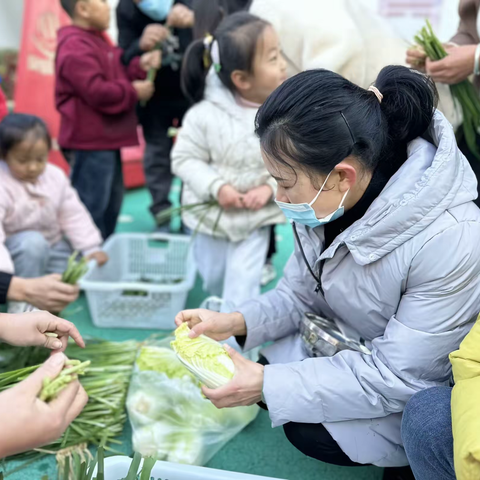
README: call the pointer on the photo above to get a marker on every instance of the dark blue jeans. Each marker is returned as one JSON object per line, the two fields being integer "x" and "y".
{"x": 427, "y": 434}
{"x": 97, "y": 177}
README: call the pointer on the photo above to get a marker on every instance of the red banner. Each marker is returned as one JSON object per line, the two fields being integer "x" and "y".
{"x": 35, "y": 87}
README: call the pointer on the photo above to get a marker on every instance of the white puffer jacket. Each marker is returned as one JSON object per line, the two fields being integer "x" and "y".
{"x": 217, "y": 146}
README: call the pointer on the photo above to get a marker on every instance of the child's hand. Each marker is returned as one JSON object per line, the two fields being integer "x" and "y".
{"x": 181, "y": 17}
{"x": 258, "y": 197}
{"x": 29, "y": 423}
{"x": 100, "y": 257}
{"x": 151, "y": 60}
{"x": 144, "y": 89}
{"x": 29, "y": 329}
{"x": 229, "y": 198}
{"x": 153, "y": 35}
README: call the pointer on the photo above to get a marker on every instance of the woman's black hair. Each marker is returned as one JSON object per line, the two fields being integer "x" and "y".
{"x": 16, "y": 127}
{"x": 209, "y": 14}
{"x": 317, "y": 118}
{"x": 237, "y": 37}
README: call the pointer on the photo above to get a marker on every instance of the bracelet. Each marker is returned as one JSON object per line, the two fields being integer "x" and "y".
{"x": 476, "y": 66}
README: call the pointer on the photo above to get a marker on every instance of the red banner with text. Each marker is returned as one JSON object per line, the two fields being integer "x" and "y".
{"x": 35, "y": 87}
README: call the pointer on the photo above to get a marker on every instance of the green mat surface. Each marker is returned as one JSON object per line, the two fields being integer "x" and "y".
{"x": 259, "y": 449}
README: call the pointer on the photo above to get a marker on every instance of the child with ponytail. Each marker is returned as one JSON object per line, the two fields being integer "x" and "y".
{"x": 227, "y": 77}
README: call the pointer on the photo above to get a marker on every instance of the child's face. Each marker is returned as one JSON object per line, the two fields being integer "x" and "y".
{"x": 96, "y": 13}
{"x": 28, "y": 159}
{"x": 269, "y": 68}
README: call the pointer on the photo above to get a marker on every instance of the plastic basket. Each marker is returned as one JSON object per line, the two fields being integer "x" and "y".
{"x": 116, "y": 468}
{"x": 145, "y": 283}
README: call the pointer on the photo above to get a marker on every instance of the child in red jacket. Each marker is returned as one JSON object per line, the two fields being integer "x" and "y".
{"x": 3, "y": 105}
{"x": 96, "y": 96}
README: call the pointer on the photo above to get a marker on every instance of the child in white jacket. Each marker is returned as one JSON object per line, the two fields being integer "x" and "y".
{"x": 217, "y": 154}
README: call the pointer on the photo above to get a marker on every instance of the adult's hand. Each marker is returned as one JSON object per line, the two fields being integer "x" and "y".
{"x": 45, "y": 293}
{"x": 416, "y": 58}
{"x": 181, "y": 16}
{"x": 29, "y": 423}
{"x": 29, "y": 329}
{"x": 244, "y": 389}
{"x": 218, "y": 326}
{"x": 455, "y": 67}
{"x": 100, "y": 257}
{"x": 152, "y": 36}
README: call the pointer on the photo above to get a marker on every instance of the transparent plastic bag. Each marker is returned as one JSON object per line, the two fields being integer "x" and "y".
{"x": 171, "y": 419}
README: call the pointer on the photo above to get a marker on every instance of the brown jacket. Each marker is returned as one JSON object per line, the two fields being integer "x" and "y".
{"x": 467, "y": 33}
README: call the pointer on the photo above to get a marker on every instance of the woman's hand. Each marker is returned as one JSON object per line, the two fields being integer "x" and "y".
{"x": 258, "y": 197}
{"x": 416, "y": 58}
{"x": 244, "y": 389}
{"x": 229, "y": 198}
{"x": 100, "y": 257}
{"x": 29, "y": 329}
{"x": 218, "y": 326}
{"x": 180, "y": 16}
{"x": 152, "y": 36}
{"x": 29, "y": 423}
{"x": 151, "y": 60}
{"x": 45, "y": 293}
{"x": 455, "y": 67}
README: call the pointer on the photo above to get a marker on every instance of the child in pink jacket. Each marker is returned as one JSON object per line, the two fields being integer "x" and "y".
{"x": 41, "y": 217}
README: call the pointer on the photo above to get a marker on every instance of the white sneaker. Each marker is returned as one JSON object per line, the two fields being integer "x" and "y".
{"x": 269, "y": 273}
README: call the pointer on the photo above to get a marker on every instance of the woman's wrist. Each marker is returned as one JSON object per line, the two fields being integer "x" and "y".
{"x": 239, "y": 325}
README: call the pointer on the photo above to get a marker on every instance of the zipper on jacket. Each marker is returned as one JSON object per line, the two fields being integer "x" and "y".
{"x": 317, "y": 279}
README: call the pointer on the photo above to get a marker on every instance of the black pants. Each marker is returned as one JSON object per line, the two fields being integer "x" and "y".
{"x": 313, "y": 439}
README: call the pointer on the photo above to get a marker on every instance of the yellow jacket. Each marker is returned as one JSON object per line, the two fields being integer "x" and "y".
{"x": 466, "y": 406}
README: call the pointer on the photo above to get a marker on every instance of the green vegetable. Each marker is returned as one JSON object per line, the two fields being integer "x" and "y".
{"x": 204, "y": 357}
{"x": 106, "y": 381}
{"x": 463, "y": 92}
{"x": 52, "y": 387}
{"x": 76, "y": 269}
{"x": 161, "y": 360}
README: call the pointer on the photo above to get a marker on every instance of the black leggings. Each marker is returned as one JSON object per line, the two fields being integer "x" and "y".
{"x": 313, "y": 439}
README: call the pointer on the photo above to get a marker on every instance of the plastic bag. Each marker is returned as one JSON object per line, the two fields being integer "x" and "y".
{"x": 171, "y": 419}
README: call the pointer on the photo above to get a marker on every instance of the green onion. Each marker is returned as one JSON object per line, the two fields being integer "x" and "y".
{"x": 76, "y": 269}
{"x": 464, "y": 92}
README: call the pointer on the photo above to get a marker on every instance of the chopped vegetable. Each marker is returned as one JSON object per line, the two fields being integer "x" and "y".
{"x": 204, "y": 357}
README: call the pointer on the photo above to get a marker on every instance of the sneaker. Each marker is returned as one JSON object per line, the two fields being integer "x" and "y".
{"x": 269, "y": 273}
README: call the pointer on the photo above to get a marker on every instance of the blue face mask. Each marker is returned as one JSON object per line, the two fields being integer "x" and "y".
{"x": 157, "y": 10}
{"x": 304, "y": 213}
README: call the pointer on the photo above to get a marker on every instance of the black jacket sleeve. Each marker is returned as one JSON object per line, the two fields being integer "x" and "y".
{"x": 5, "y": 279}
{"x": 131, "y": 24}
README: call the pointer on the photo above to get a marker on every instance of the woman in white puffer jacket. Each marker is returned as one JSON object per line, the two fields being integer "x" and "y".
{"x": 217, "y": 154}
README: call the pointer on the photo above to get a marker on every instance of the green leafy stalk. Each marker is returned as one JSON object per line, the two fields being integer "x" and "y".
{"x": 464, "y": 92}
{"x": 76, "y": 269}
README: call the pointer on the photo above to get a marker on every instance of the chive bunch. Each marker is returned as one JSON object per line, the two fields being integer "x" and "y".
{"x": 76, "y": 269}
{"x": 464, "y": 92}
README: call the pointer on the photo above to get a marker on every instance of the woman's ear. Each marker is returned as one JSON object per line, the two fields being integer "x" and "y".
{"x": 347, "y": 176}
{"x": 242, "y": 81}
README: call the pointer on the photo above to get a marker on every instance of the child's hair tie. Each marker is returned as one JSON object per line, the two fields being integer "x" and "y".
{"x": 211, "y": 55}
{"x": 376, "y": 91}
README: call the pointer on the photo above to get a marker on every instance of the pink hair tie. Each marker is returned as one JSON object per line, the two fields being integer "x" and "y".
{"x": 377, "y": 93}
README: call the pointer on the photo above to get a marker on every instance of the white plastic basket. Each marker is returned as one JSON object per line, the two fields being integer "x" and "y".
{"x": 144, "y": 284}
{"x": 116, "y": 468}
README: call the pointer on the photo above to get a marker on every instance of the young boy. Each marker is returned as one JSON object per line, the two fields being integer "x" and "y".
{"x": 96, "y": 96}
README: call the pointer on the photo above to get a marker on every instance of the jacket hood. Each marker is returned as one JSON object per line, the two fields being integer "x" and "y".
{"x": 436, "y": 177}
{"x": 221, "y": 96}
{"x": 72, "y": 31}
